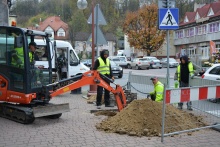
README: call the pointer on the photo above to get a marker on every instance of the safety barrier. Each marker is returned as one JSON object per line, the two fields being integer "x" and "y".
{"x": 142, "y": 85}
{"x": 198, "y": 81}
{"x": 205, "y": 113}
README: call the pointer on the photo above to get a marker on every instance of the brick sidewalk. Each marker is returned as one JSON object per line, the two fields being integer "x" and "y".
{"x": 77, "y": 129}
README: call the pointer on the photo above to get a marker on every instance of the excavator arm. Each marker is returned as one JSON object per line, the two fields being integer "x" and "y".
{"x": 91, "y": 77}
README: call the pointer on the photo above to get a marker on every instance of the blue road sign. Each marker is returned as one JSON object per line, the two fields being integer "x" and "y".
{"x": 168, "y": 19}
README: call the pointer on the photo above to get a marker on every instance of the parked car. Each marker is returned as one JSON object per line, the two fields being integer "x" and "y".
{"x": 116, "y": 69}
{"x": 87, "y": 62}
{"x": 120, "y": 60}
{"x": 212, "y": 73}
{"x": 140, "y": 63}
{"x": 154, "y": 62}
{"x": 172, "y": 62}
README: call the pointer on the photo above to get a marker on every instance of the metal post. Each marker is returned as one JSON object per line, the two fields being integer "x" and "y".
{"x": 93, "y": 88}
{"x": 168, "y": 55}
{"x": 96, "y": 32}
{"x": 163, "y": 113}
{"x": 129, "y": 79}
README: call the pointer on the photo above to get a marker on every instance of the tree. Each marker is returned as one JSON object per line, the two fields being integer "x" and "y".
{"x": 141, "y": 28}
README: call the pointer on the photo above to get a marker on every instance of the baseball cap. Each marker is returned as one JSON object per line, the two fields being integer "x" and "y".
{"x": 33, "y": 43}
{"x": 106, "y": 52}
{"x": 154, "y": 78}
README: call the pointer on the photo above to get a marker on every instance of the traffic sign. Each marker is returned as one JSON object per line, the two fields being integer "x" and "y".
{"x": 100, "y": 37}
{"x": 168, "y": 19}
{"x": 98, "y": 16}
{"x": 166, "y": 4}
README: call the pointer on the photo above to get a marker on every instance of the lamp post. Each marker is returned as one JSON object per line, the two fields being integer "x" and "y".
{"x": 82, "y": 4}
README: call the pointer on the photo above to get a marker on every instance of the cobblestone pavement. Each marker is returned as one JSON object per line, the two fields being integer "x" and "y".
{"x": 77, "y": 129}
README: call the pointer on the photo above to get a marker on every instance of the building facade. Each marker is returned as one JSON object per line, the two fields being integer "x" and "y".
{"x": 55, "y": 26}
{"x": 196, "y": 31}
{"x": 83, "y": 48}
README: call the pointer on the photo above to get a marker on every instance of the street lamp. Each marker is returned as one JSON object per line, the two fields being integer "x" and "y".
{"x": 82, "y": 4}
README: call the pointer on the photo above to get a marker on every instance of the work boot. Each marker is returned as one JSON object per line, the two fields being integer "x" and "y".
{"x": 98, "y": 107}
{"x": 189, "y": 108}
{"x": 180, "y": 106}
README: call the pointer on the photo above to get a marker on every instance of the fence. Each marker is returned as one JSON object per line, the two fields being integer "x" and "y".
{"x": 174, "y": 121}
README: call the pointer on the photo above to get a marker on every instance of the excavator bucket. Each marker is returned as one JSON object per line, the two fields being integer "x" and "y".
{"x": 50, "y": 109}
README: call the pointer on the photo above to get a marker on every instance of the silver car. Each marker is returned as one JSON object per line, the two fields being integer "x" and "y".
{"x": 172, "y": 62}
{"x": 154, "y": 62}
{"x": 140, "y": 63}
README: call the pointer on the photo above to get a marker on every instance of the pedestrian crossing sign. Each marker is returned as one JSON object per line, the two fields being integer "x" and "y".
{"x": 168, "y": 19}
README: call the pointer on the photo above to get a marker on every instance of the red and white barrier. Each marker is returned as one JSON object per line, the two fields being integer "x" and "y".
{"x": 192, "y": 94}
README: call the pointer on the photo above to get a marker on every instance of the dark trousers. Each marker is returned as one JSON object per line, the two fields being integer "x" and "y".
{"x": 189, "y": 103}
{"x": 99, "y": 95}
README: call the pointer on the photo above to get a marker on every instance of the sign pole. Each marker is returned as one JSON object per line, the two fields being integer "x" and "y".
{"x": 168, "y": 56}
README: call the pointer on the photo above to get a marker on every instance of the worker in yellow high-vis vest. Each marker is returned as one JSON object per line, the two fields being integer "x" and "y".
{"x": 157, "y": 93}
{"x": 102, "y": 64}
{"x": 184, "y": 71}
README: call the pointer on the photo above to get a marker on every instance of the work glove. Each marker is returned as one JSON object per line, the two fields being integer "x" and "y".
{"x": 113, "y": 79}
{"x": 192, "y": 76}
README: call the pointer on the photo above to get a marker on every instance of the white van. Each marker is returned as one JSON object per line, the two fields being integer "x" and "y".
{"x": 64, "y": 58}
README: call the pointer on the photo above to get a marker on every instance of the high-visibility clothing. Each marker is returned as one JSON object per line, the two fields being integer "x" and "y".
{"x": 158, "y": 91}
{"x": 104, "y": 68}
{"x": 18, "y": 57}
{"x": 191, "y": 71}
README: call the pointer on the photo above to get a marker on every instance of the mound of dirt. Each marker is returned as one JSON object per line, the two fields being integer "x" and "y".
{"x": 144, "y": 118}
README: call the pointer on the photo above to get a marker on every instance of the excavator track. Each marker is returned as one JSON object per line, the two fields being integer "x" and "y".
{"x": 17, "y": 113}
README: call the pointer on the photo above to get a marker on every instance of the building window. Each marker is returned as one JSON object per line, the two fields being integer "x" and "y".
{"x": 214, "y": 27}
{"x": 179, "y": 34}
{"x": 50, "y": 30}
{"x": 200, "y": 30}
{"x": 61, "y": 32}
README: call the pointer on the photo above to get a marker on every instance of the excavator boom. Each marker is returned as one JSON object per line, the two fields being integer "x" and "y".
{"x": 91, "y": 78}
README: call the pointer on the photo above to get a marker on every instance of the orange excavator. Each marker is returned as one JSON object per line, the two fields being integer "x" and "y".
{"x": 26, "y": 89}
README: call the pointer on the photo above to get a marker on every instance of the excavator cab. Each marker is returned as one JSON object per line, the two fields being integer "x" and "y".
{"x": 18, "y": 74}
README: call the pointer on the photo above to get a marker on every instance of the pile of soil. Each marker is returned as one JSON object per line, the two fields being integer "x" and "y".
{"x": 144, "y": 118}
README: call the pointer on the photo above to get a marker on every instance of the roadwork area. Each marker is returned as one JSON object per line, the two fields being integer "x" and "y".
{"x": 144, "y": 118}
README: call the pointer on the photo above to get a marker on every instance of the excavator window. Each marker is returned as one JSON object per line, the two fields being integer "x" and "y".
{"x": 12, "y": 57}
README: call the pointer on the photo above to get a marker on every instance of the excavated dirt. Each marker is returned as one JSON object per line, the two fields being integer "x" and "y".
{"x": 144, "y": 117}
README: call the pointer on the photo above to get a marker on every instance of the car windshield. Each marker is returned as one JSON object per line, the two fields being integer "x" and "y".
{"x": 116, "y": 59}
{"x": 153, "y": 58}
{"x": 122, "y": 58}
{"x": 113, "y": 63}
{"x": 172, "y": 60}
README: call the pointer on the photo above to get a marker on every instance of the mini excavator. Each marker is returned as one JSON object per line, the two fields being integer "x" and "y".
{"x": 26, "y": 89}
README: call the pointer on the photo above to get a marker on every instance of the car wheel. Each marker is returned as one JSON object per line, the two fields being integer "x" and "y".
{"x": 147, "y": 68}
{"x": 136, "y": 67}
{"x": 160, "y": 67}
{"x": 129, "y": 66}
{"x": 120, "y": 76}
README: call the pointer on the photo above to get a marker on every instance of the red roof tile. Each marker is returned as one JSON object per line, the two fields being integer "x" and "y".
{"x": 54, "y": 22}
{"x": 203, "y": 12}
